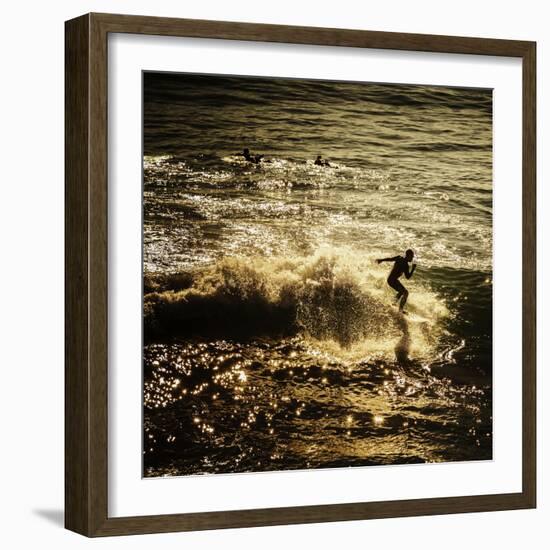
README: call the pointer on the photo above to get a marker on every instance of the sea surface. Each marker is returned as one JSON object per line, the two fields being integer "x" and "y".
{"x": 271, "y": 338}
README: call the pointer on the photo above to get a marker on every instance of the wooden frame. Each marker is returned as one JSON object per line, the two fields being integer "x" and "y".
{"x": 86, "y": 274}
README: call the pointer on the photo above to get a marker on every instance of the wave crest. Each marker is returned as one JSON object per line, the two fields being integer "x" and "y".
{"x": 334, "y": 298}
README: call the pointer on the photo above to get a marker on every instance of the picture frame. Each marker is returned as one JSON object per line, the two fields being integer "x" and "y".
{"x": 87, "y": 282}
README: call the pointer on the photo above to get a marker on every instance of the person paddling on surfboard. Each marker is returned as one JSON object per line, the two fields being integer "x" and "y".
{"x": 400, "y": 267}
{"x": 320, "y": 162}
{"x": 250, "y": 157}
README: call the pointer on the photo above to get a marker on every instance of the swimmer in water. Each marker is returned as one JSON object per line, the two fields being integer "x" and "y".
{"x": 250, "y": 157}
{"x": 400, "y": 267}
{"x": 320, "y": 162}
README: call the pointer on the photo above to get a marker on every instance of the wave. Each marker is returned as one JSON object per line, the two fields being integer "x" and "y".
{"x": 333, "y": 298}
{"x": 289, "y": 94}
{"x": 445, "y": 147}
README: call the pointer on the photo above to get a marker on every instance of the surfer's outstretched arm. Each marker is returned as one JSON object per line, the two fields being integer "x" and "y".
{"x": 394, "y": 259}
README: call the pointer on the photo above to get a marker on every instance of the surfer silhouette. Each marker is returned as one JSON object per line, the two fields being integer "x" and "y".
{"x": 400, "y": 267}
{"x": 248, "y": 156}
{"x": 320, "y": 162}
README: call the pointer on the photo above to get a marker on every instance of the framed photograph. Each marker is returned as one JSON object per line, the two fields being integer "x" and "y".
{"x": 300, "y": 280}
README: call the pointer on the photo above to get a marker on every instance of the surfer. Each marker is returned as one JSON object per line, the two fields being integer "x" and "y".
{"x": 320, "y": 162}
{"x": 250, "y": 157}
{"x": 400, "y": 267}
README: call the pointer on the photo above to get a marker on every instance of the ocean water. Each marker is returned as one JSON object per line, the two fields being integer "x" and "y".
{"x": 271, "y": 338}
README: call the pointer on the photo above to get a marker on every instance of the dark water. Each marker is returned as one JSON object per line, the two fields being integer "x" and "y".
{"x": 271, "y": 338}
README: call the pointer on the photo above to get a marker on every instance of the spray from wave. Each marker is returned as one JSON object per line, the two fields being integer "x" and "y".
{"x": 338, "y": 300}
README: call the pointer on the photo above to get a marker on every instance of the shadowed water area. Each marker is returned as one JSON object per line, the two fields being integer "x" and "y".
{"x": 271, "y": 338}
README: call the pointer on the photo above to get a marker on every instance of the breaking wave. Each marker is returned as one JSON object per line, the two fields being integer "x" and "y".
{"x": 335, "y": 299}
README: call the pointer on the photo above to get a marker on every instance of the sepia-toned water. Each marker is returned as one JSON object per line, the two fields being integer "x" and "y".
{"x": 271, "y": 339}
